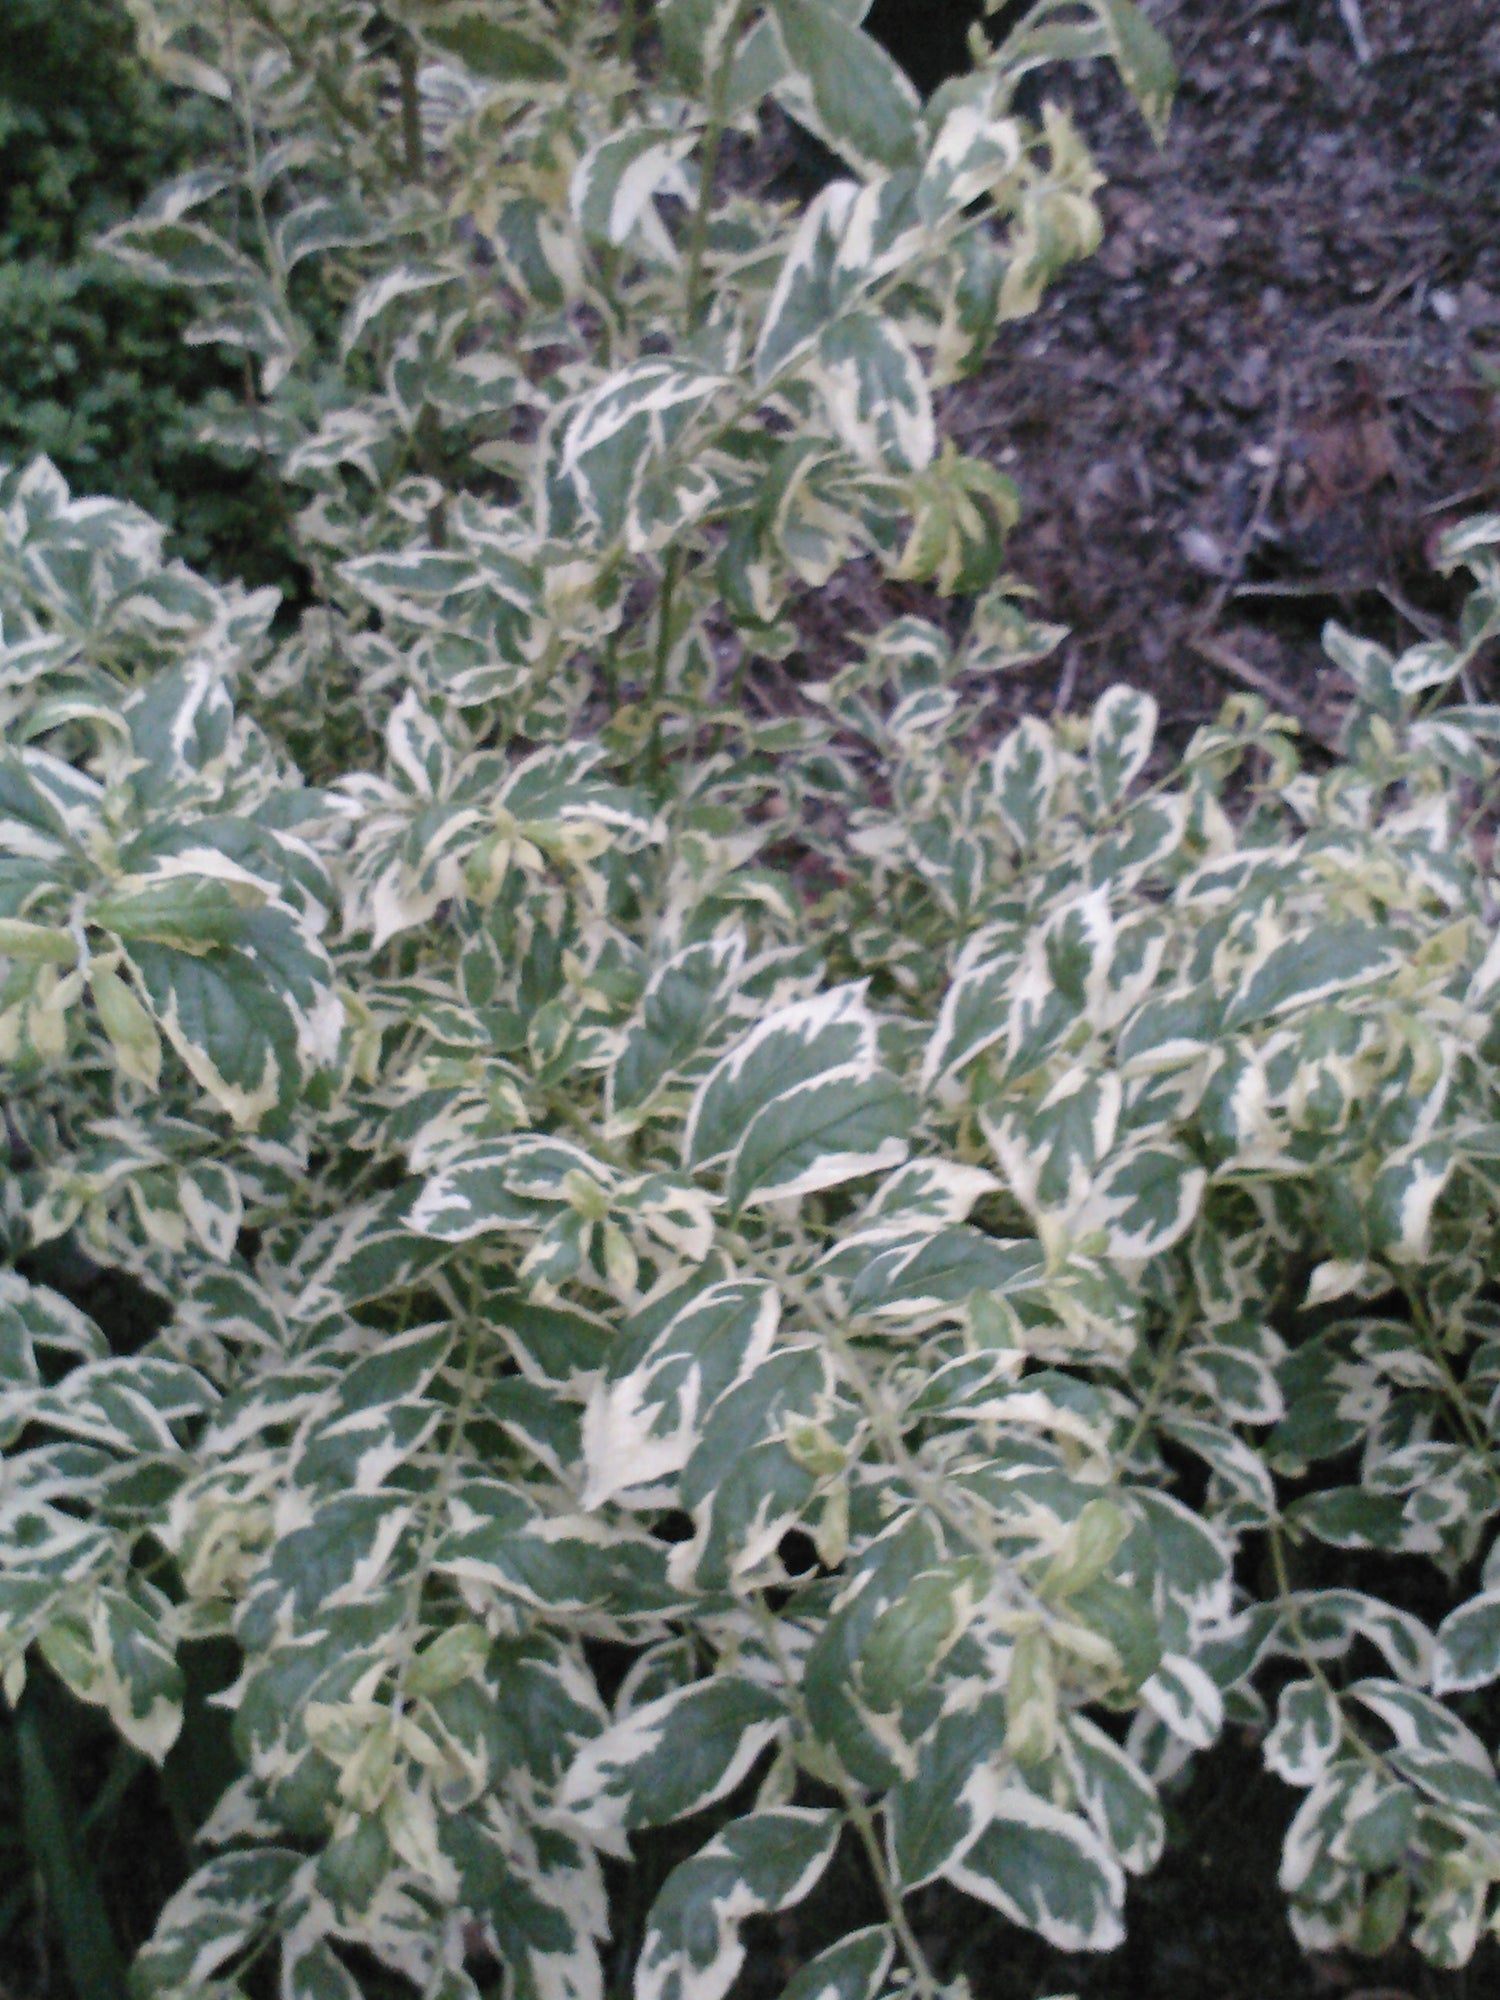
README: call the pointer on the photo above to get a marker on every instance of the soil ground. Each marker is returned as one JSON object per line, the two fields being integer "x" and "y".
{"x": 1276, "y": 384}
{"x": 1259, "y": 405}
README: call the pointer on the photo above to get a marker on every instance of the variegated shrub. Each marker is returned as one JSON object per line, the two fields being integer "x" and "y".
{"x": 826, "y": 1276}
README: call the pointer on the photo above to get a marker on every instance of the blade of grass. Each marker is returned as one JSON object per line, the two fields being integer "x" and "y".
{"x": 11, "y": 1908}
{"x": 95, "y": 1967}
{"x": 122, "y": 1775}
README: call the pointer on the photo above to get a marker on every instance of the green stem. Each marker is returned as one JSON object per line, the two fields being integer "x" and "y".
{"x": 1468, "y": 1423}
{"x": 437, "y": 1502}
{"x": 665, "y": 603}
{"x": 860, "y": 1817}
{"x": 973, "y": 1527}
{"x": 863, "y": 1823}
{"x": 326, "y": 84}
{"x": 274, "y": 266}
{"x": 629, "y": 28}
{"x": 562, "y": 1106}
{"x": 1166, "y": 1361}
{"x": 1314, "y": 1666}
{"x": 708, "y": 165}
{"x": 411, "y": 105}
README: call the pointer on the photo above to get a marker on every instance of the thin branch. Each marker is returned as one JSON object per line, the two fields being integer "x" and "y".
{"x": 1166, "y": 1362}
{"x": 1462, "y": 498}
{"x": 1352, "y": 15}
{"x": 1067, "y": 680}
{"x": 411, "y": 106}
{"x": 1311, "y": 586}
{"x": 1312, "y": 1664}
{"x": 708, "y": 166}
{"x": 1276, "y": 691}
{"x": 860, "y": 1818}
{"x": 1250, "y": 534}
{"x": 1458, "y": 1402}
{"x": 1430, "y": 628}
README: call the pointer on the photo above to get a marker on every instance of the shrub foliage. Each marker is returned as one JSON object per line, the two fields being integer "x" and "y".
{"x": 821, "y": 1274}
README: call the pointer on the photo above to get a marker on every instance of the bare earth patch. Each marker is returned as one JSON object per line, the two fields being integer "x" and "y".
{"x": 1278, "y": 381}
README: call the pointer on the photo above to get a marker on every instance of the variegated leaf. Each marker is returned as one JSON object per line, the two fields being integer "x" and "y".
{"x": 853, "y": 1969}
{"x": 1047, "y": 1870}
{"x": 834, "y": 1127}
{"x": 618, "y": 181}
{"x": 876, "y": 393}
{"x": 1121, "y": 730}
{"x": 218, "y": 1911}
{"x": 1468, "y": 1645}
{"x": 845, "y": 88}
{"x": 1114, "y": 1793}
{"x": 645, "y": 1418}
{"x": 832, "y": 1033}
{"x": 672, "y": 1756}
{"x": 1308, "y": 1734}
{"x": 757, "y": 1865}
{"x": 675, "y": 1014}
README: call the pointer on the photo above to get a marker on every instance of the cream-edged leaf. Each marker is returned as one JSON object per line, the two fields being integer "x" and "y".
{"x": 1047, "y": 1870}
{"x": 834, "y": 1031}
{"x": 762, "y": 1863}
{"x": 672, "y": 1756}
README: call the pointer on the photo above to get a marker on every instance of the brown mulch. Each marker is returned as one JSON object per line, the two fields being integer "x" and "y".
{"x": 1278, "y": 381}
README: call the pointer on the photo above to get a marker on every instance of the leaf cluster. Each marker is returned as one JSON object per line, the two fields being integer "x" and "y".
{"x": 826, "y": 1270}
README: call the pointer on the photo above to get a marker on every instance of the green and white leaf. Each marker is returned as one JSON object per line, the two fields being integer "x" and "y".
{"x": 756, "y": 1866}
{"x": 835, "y": 1032}
{"x": 853, "y": 1969}
{"x": 1048, "y": 1871}
{"x": 1308, "y": 1735}
{"x": 644, "y": 1420}
{"x": 844, "y": 88}
{"x": 1468, "y": 1646}
{"x": 672, "y": 1756}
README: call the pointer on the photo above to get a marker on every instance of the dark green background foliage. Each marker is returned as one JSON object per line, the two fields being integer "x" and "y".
{"x": 93, "y": 369}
